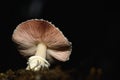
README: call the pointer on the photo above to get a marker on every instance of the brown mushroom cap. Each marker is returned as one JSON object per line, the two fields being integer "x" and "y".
{"x": 32, "y": 32}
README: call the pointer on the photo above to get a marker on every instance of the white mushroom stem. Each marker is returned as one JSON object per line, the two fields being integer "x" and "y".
{"x": 38, "y": 61}
{"x": 41, "y": 50}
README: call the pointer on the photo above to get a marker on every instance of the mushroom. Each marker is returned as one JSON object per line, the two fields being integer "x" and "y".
{"x": 40, "y": 41}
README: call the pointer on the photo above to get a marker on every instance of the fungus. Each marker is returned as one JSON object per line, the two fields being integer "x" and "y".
{"x": 40, "y": 41}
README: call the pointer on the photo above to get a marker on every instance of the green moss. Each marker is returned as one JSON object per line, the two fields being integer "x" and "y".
{"x": 55, "y": 73}
{"x": 22, "y": 74}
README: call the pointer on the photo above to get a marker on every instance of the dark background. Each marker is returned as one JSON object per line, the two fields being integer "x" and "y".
{"x": 93, "y": 29}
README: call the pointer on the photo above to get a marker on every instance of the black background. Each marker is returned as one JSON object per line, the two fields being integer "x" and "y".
{"x": 92, "y": 27}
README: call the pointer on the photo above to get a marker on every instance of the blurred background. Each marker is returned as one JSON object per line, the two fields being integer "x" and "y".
{"x": 91, "y": 28}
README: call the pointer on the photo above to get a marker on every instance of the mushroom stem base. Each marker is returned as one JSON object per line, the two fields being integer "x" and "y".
{"x": 36, "y": 63}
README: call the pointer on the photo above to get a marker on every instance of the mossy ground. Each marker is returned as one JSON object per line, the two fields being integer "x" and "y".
{"x": 52, "y": 74}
